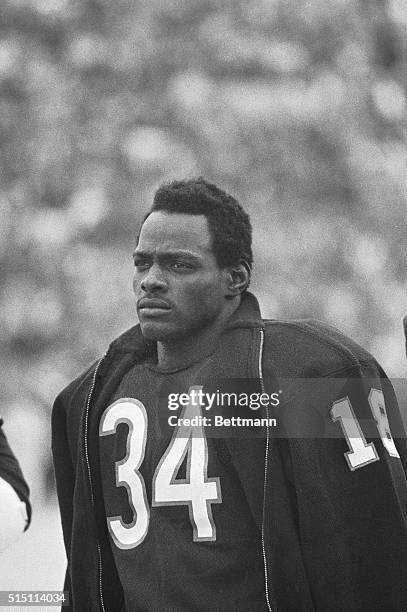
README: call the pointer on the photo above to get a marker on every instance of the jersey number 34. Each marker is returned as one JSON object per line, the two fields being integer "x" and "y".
{"x": 196, "y": 491}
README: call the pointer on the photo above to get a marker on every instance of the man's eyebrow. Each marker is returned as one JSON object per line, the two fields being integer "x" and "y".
{"x": 168, "y": 254}
{"x": 179, "y": 253}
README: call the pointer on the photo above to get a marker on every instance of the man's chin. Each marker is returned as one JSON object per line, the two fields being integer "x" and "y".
{"x": 154, "y": 331}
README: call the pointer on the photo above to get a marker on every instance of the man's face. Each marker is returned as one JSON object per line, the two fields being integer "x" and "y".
{"x": 178, "y": 284}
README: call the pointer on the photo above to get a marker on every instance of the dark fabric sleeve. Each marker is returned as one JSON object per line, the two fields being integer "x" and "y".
{"x": 352, "y": 515}
{"x": 65, "y": 427}
{"x": 65, "y": 478}
{"x": 11, "y": 472}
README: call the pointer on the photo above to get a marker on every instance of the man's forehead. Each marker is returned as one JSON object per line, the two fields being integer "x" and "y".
{"x": 175, "y": 231}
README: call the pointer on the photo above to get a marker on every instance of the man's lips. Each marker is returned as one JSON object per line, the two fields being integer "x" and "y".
{"x": 152, "y": 304}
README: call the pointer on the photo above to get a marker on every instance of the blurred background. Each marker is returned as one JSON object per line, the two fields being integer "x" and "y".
{"x": 297, "y": 107}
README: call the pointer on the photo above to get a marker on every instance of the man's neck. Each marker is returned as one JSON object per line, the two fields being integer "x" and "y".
{"x": 187, "y": 350}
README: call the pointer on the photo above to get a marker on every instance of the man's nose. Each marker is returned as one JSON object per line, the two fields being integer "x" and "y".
{"x": 153, "y": 280}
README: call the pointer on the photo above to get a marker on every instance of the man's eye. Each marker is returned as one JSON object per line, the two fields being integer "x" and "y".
{"x": 180, "y": 265}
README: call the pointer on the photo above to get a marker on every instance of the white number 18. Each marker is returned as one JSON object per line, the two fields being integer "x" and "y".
{"x": 360, "y": 452}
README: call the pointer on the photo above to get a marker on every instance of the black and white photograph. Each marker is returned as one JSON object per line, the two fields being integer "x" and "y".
{"x": 203, "y": 305}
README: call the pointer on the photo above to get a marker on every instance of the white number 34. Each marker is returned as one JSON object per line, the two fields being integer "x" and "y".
{"x": 360, "y": 452}
{"x": 196, "y": 491}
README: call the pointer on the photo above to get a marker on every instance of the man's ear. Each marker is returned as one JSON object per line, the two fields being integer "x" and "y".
{"x": 238, "y": 279}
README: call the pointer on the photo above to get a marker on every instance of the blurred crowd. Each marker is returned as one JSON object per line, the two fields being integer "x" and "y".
{"x": 297, "y": 108}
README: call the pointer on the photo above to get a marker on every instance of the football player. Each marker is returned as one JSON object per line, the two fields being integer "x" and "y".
{"x": 163, "y": 511}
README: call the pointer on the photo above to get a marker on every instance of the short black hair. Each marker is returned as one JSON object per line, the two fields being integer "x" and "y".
{"x": 229, "y": 224}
